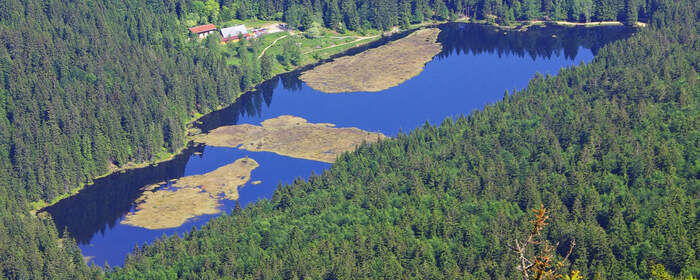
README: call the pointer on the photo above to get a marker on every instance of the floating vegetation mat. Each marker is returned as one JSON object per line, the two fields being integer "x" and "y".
{"x": 291, "y": 136}
{"x": 379, "y": 68}
{"x": 188, "y": 197}
{"x": 222, "y": 182}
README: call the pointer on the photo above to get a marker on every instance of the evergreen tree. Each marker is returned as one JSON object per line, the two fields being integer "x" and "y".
{"x": 442, "y": 13}
{"x": 631, "y": 13}
{"x": 349, "y": 9}
{"x": 266, "y": 67}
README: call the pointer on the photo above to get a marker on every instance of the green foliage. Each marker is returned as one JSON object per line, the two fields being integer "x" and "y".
{"x": 441, "y": 11}
{"x": 291, "y": 53}
{"x": 610, "y": 148}
{"x": 313, "y": 30}
{"x": 86, "y": 85}
{"x": 607, "y": 9}
{"x": 355, "y": 15}
{"x": 120, "y": 91}
{"x": 658, "y": 272}
{"x": 211, "y": 10}
{"x": 266, "y": 66}
{"x": 559, "y": 10}
{"x": 531, "y": 9}
{"x": 631, "y": 12}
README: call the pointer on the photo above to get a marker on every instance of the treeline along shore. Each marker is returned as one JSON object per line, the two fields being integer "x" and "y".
{"x": 89, "y": 85}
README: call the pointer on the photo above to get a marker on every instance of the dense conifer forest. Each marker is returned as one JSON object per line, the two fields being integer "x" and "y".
{"x": 609, "y": 148}
{"x": 385, "y": 14}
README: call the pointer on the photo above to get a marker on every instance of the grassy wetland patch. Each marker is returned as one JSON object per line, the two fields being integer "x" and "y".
{"x": 379, "y": 68}
{"x": 291, "y": 136}
{"x": 190, "y": 196}
{"x": 223, "y": 181}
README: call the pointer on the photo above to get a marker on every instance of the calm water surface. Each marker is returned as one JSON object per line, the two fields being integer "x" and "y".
{"x": 478, "y": 64}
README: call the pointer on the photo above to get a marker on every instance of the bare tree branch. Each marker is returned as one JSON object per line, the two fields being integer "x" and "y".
{"x": 540, "y": 265}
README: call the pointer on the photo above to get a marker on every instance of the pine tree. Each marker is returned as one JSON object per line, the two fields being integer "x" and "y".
{"x": 266, "y": 64}
{"x": 631, "y": 12}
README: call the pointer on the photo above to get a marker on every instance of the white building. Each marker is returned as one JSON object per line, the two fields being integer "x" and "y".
{"x": 233, "y": 31}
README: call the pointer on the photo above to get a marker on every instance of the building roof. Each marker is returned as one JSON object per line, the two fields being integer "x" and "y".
{"x": 203, "y": 28}
{"x": 225, "y": 40}
{"x": 233, "y": 31}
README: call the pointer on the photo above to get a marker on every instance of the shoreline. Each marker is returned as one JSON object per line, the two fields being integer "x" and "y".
{"x": 523, "y": 25}
{"x": 376, "y": 41}
{"x": 37, "y": 206}
{"x": 377, "y": 69}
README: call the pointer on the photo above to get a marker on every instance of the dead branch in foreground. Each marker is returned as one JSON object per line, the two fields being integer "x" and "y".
{"x": 540, "y": 266}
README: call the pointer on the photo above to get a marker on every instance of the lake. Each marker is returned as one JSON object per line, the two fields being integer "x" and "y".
{"x": 476, "y": 67}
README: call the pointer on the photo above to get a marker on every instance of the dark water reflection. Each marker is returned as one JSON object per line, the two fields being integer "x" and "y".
{"x": 536, "y": 42}
{"x": 541, "y": 43}
{"x": 102, "y": 205}
{"x": 477, "y": 64}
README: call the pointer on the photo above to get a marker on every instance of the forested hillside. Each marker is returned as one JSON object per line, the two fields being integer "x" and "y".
{"x": 89, "y": 84}
{"x": 611, "y": 148}
{"x": 85, "y": 85}
{"x": 384, "y": 14}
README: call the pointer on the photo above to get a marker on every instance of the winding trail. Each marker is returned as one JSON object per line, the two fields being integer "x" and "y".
{"x": 329, "y": 47}
{"x": 273, "y": 43}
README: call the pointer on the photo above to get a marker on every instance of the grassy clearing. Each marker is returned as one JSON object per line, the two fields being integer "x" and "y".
{"x": 291, "y": 136}
{"x": 377, "y": 69}
{"x": 329, "y": 46}
{"x": 190, "y": 196}
{"x": 231, "y": 50}
{"x": 330, "y": 42}
{"x": 313, "y": 49}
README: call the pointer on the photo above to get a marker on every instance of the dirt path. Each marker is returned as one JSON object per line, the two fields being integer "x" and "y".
{"x": 342, "y": 37}
{"x": 273, "y": 27}
{"x": 273, "y": 43}
{"x": 333, "y": 37}
{"x": 358, "y": 39}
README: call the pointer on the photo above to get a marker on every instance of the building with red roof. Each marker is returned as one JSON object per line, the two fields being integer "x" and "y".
{"x": 203, "y": 30}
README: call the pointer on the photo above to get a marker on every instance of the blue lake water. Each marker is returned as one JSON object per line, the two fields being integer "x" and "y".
{"x": 478, "y": 64}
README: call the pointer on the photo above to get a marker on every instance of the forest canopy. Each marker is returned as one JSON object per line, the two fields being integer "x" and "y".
{"x": 384, "y": 14}
{"x": 610, "y": 148}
